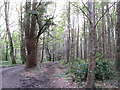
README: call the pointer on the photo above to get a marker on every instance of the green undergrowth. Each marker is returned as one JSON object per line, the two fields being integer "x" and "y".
{"x": 79, "y": 68}
{"x": 9, "y": 63}
{"x": 58, "y": 75}
{"x": 44, "y": 61}
{"x": 37, "y": 69}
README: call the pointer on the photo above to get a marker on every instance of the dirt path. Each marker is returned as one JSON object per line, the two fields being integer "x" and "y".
{"x": 48, "y": 75}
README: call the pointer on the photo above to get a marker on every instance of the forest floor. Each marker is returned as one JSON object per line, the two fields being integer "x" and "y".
{"x": 47, "y": 75}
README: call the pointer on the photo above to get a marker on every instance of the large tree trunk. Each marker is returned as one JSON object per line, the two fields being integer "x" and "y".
{"x": 92, "y": 55}
{"x": 31, "y": 41}
{"x": 32, "y": 53}
{"x": 118, "y": 43}
{"x": 9, "y": 34}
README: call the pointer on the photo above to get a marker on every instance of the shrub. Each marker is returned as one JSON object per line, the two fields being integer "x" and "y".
{"x": 79, "y": 69}
{"x": 104, "y": 69}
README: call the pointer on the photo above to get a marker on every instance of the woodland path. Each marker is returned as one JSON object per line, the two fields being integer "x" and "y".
{"x": 47, "y": 75}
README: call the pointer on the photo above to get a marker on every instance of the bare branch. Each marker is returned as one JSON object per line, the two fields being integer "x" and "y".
{"x": 52, "y": 36}
{"x": 82, "y": 12}
{"x": 103, "y": 15}
{"x": 41, "y": 30}
{"x": 39, "y": 4}
{"x": 85, "y": 6}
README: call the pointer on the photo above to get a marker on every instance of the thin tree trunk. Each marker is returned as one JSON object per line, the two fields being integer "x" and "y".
{"x": 81, "y": 51}
{"x": 108, "y": 31}
{"x": 85, "y": 41}
{"x": 68, "y": 40}
{"x": 72, "y": 45}
{"x": 72, "y": 40}
{"x": 103, "y": 31}
{"x": 15, "y": 53}
{"x": 9, "y": 34}
{"x": 43, "y": 47}
{"x": 22, "y": 35}
{"x": 99, "y": 43}
{"x": 48, "y": 53}
{"x": 118, "y": 43}
{"x": 92, "y": 51}
{"x": 77, "y": 47}
{"x": 53, "y": 53}
{"x": 47, "y": 48}
{"x": 6, "y": 53}
{"x": 113, "y": 34}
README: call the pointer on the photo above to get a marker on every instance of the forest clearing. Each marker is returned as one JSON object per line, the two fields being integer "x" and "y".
{"x": 60, "y": 44}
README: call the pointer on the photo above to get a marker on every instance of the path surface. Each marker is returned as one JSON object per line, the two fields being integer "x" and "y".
{"x": 48, "y": 75}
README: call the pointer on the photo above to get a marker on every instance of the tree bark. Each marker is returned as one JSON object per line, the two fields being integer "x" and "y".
{"x": 48, "y": 52}
{"x": 77, "y": 44}
{"x": 6, "y": 53}
{"x": 85, "y": 41}
{"x": 118, "y": 43}
{"x": 109, "y": 35}
{"x": 92, "y": 54}
{"x": 81, "y": 50}
{"x": 31, "y": 40}
{"x": 43, "y": 48}
{"x": 68, "y": 39}
{"x": 9, "y": 33}
{"x": 103, "y": 32}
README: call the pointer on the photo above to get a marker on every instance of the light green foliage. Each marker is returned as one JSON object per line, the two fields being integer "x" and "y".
{"x": 9, "y": 63}
{"x": 59, "y": 30}
{"x": 5, "y": 63}
{"x": 19, "y": 61}
{"x": 16, "y": 39}
{"x": 4, "y": 41}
